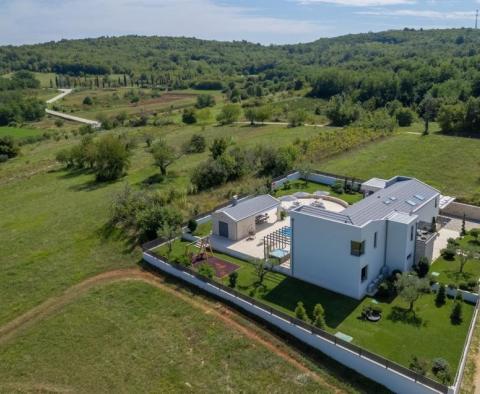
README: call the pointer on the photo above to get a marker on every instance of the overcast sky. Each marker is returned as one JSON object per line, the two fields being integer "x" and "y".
{"x": 264, "y": 21}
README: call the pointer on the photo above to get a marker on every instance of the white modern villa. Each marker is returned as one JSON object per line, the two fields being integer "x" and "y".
{"x": 348, "y": 249}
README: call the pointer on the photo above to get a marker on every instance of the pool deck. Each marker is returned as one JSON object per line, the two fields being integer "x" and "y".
{"x": 251, "y": 247}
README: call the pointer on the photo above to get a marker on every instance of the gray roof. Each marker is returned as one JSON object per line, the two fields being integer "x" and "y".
{"x": 375, "y": 182}
{"x": 405, "y": 195}
{"x": 322, "y": 212}
{"x": 250, "y": 207}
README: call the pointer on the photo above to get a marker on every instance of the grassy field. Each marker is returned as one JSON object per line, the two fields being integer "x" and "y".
{"x": 112, "y": 101}
{"x": 52, "y": 220}
{"x": 132, "y": 337}
{"x": 398, "y": 336}
{"x": 448, "y": 163}
{"x": 18, "y": 132}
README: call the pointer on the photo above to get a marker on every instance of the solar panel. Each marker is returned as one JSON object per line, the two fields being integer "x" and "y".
{"x": 419, "y": 196}
{"x": 387, "y": 202}
{"x": 412, "y": 203}
{"x": 393, "y": 198}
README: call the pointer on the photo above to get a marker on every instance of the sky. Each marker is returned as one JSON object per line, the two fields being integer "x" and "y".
{"x": 263, "y": 21}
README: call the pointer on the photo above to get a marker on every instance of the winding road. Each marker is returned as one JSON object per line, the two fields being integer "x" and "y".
{"x": 95, "y": 124}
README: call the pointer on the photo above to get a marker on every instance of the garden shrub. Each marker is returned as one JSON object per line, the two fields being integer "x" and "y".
{"x": 441, "y": 369}
{"x": 456, "y": 315}
{"x": 441, "y": 296}
{"x": 385, "y": 289}
{"x": 419, "y": 365}
{"x": 232, "y": 279}
{"x": 319, "y": 316}
{"x": 422, "y": 267}
{"x": 448, "y": 253}
{"x": 300, "y": 312}
{"x": 338, "y": 188}
{"x": 206, "y": 270}
{"x": 192, "y": 225}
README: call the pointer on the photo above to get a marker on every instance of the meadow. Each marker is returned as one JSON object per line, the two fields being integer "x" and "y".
{"x": 130, "y": 336}
{"x": 52, "y": 231}
{"x": 448, "y": 163}
{"x": 18, "y": 132}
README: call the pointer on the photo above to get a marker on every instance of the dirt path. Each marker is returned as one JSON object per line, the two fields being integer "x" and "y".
{"x": 219, "y": 311}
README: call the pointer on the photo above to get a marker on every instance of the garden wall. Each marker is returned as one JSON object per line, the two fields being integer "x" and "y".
{"x": 472, "y": 298}
{"x": 315, "y": 176}
{"x": 457, "y": 209}
{"x": 393, "y": 376}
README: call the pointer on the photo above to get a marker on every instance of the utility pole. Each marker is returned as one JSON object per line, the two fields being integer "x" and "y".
{"x": 476, "y": 20}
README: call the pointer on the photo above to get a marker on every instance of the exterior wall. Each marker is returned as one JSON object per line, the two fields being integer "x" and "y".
{"x": 393, "y": 380}
{"x": 400, "y": 246}
{"x": 457, "y": 209}
{"x": 425, "y": 249}
{"x": 321, "y": 254}
{"x": 374, "y": 257}
{"x": 314, "y": 177}
{"x": 244, "y": 226}
{"x": 221, "y": 217}
{"x": 428, "y": 211}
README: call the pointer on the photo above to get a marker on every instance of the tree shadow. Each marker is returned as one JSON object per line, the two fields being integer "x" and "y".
{"x": 402, "y": 315}
{"x": 152, "y": 180}
{"x": 290, "y": 290}
{"x": 66, "y": 173}
{"x": 92, "y": 185}
{"x": 111, "y": 232}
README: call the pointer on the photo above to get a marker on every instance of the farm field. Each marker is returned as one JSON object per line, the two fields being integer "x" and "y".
{"x": 398, "y": 336}
{"x": 448, "y": 163}
{"x": 110, "y": 102}
{"x": 130, "y": 336}
{"x": 18, "y": 132}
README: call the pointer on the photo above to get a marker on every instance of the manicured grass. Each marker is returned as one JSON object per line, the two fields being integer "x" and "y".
{"x": 132, "y": 337}
{"x": 18, "y": 132}
{"x": 399, "y": 335}
{"x": 448, "y": 163}
{"x": 311, "y": 187}
{"x": 449, "y": 270}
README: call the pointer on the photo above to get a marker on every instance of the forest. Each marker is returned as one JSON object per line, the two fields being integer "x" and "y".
{"x": 399, "y": 74}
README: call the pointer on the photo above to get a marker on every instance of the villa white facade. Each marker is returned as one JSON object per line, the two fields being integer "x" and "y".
{"x": 349, "y": 251}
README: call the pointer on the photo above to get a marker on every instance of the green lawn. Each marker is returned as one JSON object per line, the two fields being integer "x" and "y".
{"x": 398, "y": 336}
{"x": 132, "y": 337}
{"x": 310, "y": 187}
{"x": 449, "y": 270}
{"x": 18, "y": 132}
{"x": 448, "y": 163}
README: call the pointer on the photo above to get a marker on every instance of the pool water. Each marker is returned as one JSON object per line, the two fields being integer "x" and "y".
{"x": 286, "y": 232}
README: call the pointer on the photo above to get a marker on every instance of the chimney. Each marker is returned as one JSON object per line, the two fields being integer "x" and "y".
{"x": 234, "y": 200}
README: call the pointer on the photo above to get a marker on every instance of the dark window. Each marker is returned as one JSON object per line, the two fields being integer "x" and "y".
{"x": 411, "y": 233}
{"x": 364, "y": 275}
{"x": 409, "y": 256}
{"x": 436, "y": 202}
{"x": 375, "y": 240}
{"x": 357, "y": 248}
